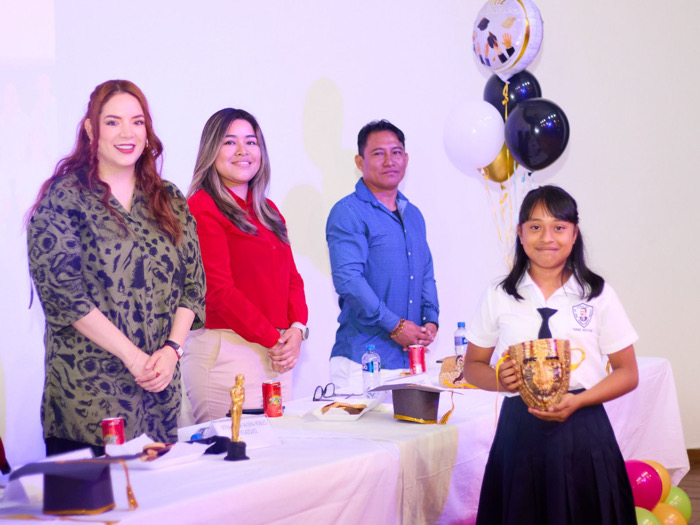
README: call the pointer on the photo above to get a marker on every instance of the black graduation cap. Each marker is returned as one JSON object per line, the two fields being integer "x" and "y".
{"x": 82, "y": 486}
{"x": 417, "y": 403}
{"x": 483, "y": 24}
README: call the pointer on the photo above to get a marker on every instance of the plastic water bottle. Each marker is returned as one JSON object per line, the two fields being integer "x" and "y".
{"x": 461, "y": 338}
{"x": 371, "y": 370}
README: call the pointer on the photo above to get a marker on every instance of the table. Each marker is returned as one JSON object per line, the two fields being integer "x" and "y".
{"x": 376, "y": 470}
{"x": 647, "y": 421}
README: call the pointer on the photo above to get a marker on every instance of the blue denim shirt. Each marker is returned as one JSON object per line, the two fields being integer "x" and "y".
{"x": 382, "y": 271}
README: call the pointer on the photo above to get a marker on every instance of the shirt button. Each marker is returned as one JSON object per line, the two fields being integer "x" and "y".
{"x": 411, "y": 277}
{"x": 410, "y": 301}
{"x": 409, "y": 253}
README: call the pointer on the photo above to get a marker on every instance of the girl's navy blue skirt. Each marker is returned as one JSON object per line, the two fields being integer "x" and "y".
{"x": 541, "y": 472}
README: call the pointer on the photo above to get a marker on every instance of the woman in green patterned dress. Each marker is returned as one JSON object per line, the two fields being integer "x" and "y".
{"x": 115, "y": 260}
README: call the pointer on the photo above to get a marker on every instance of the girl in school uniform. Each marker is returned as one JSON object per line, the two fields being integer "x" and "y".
{"x": 561, "y": 465}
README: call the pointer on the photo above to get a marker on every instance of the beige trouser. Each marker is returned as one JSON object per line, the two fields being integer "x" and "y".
{"x": 211, "y": 361}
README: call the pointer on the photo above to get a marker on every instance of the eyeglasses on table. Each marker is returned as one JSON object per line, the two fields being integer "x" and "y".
{"x": 328, "y": 392}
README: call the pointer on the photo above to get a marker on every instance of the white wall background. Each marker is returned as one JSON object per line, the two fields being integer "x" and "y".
{"x": 313, "y": 72}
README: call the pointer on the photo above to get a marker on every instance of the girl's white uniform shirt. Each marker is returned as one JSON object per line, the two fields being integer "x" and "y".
{"x": 598, "y": 326}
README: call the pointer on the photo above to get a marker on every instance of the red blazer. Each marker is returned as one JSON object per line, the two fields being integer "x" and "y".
{"x": 253, "y": 286}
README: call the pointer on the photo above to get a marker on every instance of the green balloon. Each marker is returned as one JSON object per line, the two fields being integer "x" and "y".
{"x": 645, "y": 517}
{"x": 679, "y": 499}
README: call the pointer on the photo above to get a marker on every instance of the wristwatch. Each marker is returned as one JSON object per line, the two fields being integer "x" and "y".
{"x": 178, "y": 349}
{"x": 304, "y": 330}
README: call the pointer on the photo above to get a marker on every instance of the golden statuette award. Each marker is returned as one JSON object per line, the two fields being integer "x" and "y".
{"x": 236, "y": 447}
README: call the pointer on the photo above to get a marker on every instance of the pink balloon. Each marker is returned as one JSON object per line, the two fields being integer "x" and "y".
{"x": 646, "y": 484}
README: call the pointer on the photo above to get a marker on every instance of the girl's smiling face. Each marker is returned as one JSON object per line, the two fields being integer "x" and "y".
{"x": 547, "y": 241}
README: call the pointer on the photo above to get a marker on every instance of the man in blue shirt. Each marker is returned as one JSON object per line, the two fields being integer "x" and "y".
{"x": 380, "y": 260}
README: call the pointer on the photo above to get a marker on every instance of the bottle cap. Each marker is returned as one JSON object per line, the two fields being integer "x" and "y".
{"x": 370, "y": 348}
{"x": 461, "y": 324}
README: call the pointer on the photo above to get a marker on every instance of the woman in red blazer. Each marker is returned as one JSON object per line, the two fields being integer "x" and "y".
{"x": 256, "y": 310}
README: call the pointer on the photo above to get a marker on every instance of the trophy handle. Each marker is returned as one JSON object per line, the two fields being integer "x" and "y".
{"x": 574, "y": 366}
{"x": 498, "y": 366}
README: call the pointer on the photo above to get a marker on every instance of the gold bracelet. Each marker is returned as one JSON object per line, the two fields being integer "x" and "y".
{"x": 399, "y": 327}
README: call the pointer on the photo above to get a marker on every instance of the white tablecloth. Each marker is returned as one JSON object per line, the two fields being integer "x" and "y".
{"x": 647, "y": 421}
{"x": 374, "y": 470}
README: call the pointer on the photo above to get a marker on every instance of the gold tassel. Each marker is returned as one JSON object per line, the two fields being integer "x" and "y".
{"x": 443, "y": 419}
{"x": 133, "y": 504}
{"x": 498, "y": 366}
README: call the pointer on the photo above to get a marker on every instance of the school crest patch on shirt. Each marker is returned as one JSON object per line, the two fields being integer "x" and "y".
{"x": 583, "y": 313}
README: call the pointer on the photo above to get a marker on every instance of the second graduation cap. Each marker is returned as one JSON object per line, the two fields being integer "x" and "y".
{"x": 416, "y": 403}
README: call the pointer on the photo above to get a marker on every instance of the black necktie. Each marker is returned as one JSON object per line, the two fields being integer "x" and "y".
{"x": 546, "y": 313}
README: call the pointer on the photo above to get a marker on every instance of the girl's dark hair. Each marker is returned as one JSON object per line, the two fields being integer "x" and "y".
{"x": 83, "y": 161}
{"x": 559, "y": 204}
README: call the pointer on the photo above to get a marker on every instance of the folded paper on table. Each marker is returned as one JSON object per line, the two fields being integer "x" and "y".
{"x": 255, "y": 431}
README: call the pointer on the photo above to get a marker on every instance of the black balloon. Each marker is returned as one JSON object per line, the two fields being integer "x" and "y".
{"x": 521, "y": 86}
{"x": 537, "y": 132}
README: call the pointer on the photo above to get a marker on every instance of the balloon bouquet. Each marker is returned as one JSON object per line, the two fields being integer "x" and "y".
{"x": 657, "y": 502}
{"x": 513, "y": 125}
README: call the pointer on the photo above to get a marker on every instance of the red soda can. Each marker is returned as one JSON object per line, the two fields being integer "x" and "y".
{"x": 416, "y": 359}
{"x": 113, "y": 431}
{"x": 272, "y": 398}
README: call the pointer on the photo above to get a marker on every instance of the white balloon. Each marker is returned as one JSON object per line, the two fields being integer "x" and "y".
{"x": 473, "y": 135}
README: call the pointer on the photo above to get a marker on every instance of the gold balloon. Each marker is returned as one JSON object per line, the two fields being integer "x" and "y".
{"x": 668, "y": 514}
{"x": 502, "y": 168}
{"x": 665, "y": 478}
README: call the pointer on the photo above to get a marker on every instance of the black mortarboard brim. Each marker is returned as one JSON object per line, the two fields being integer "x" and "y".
{"x": 78, "y": 486}
{"x": 417, "y": 403}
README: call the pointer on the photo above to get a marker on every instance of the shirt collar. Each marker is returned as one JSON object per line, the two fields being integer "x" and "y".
{"x": 366, "y": 195}
{"x": 242, "y": 203}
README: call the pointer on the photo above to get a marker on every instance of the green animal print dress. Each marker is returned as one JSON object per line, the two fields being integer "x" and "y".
{"x": 81, "y": 257}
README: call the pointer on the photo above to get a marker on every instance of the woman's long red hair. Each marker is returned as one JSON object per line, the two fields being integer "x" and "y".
{"x": 84, "y": 157}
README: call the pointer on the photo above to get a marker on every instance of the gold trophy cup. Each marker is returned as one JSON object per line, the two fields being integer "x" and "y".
{"x": 543, "y": 367}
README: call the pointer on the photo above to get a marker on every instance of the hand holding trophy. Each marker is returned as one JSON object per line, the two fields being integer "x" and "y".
{"x": 543, "y": 366}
